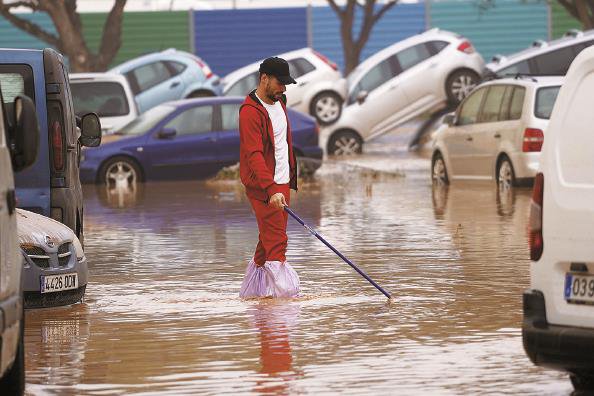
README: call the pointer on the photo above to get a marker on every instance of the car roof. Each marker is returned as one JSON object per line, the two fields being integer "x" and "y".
{"x": 79, "y": 77}
{"x": 526, "y": 80}
{"x": 500, "y": 61}
{"x": 212, "y": 100}
{"x": 252, "y": 67}
{"x": 140, "y": 60}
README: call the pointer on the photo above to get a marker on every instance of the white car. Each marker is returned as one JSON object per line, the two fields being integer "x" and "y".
{"x": 558, "y": 325}
{"x": 419, "y": 74}
{"x": 106, "y": 94}
{"x": 320, "y": 88}
{"x": 543, "y": 58}
{"x": 55, "y": 267}
{"x": 497, "y": 132}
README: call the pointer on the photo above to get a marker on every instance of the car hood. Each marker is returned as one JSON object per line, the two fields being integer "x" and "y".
{"x": 35, "y": 229}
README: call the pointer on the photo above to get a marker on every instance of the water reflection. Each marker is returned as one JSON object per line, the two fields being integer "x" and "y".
{"x": 120, "y": 196}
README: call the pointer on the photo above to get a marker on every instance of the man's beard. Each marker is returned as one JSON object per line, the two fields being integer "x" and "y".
{"x": 272, "y": 96}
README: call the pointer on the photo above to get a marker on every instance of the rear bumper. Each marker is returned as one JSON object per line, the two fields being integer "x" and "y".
{"x": 560, "y": 347}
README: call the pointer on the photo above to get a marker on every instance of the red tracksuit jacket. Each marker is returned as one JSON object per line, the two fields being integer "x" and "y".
{"x": 256, "y": 151}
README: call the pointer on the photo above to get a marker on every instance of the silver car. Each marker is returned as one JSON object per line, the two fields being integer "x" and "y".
{"x": 416, "y": 75}
{"x": 497, "y": 132}
{"x": 55, "y": 267}
{"x": 543, "y": 58}
{"x": 320, "y": 88}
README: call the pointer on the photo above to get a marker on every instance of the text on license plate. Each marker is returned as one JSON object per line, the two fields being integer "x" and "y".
{"x": 55, "y": 283}
{"x": 579, "y": 288}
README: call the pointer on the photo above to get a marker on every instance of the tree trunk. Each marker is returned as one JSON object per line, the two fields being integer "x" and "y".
{"x": 582, "y": 10}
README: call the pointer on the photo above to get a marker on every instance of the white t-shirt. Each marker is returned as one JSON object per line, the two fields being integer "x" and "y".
{"x": 281, "y": 147}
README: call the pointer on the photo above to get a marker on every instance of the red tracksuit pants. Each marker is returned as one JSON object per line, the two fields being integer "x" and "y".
{"x": 272, "y": 225}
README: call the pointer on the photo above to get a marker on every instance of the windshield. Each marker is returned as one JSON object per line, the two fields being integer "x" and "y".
{"x": 107, "y": 99}
{"x": 353, "y": 76}
{"x": 146, "y": 121}
{"x": 545, "y": 100}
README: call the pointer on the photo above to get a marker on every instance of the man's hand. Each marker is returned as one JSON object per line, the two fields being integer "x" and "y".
{"x": 277, "y": 201}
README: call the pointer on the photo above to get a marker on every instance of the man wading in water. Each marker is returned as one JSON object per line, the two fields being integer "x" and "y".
{"x": 268, "y": 170}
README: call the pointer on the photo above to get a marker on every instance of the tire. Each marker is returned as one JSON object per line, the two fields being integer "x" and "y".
{"x": 326, "y": 107}
{"x": 13, "y": 381}
{"x": 345, "y": 143}
{"x": 582, "y": 382}
{"x": 459, "y": 84}
{"x": 506, "y": 177}
{"x": 118, "y": 170}
{"x": 201, "y": 94}
{"x": 439, "y": 172}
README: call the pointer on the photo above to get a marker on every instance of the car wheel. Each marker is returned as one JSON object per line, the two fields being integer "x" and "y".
{"x": 201, "y": 94}
{"x": 345, "y": 143}
{"x": 459, "y": 84}
{"x": 13, "y": 381}
{"x": 439, "y": 173}
{"x": 326, "y": 107}
{"x": 582, "y": 382}
{"x": 120, "y": 172}
{"x": 505, "y": 174}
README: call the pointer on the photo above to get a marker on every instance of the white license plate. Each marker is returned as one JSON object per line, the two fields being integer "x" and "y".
{"x": 579, "y": 288}
{"x": 56, "y": 283}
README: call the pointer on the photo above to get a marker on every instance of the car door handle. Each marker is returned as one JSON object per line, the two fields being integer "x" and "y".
{"x": 432, "y": 65}
{"x": 497, "y": 135}
{"x": 301, "y": 84}
{"x": 174, "y": 84}
{"x": 469, "y": 139}
{"x": 393, "y": 87}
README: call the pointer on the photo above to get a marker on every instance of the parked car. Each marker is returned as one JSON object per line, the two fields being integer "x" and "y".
{"x": 320, "y": 88}
{"x": 168, "y": 75}
{"x": 106, "y": 94}
{"x": 558, "y": 325}
{"x": 18, "y": 149}
{"x": 497, "y": 132}
{"x": 51, "y": 186}
{"x": 417, "y": 75}
{"x": 542, "y": 58}
{"x": 186, "y": 139}
{"x": 55, "y": 267}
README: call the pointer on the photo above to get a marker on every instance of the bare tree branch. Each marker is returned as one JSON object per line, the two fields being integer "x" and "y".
{"x": 335, "y": 7}
{"x": 111, "y": 40}
{"x": 29, "y": 27}
{"x": 383, "y": 10}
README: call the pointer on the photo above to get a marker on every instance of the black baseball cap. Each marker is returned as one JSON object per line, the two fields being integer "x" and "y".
{"x": 279, "y": 68}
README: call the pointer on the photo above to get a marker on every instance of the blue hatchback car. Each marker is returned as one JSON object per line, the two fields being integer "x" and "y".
{"x": 168, "y": 75}
{"x": 186, "y": 139}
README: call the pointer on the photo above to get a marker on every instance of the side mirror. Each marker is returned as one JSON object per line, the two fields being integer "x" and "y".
{"x": 167, "y": 133}
{"x": 362, "y": 96}
{"x": 449, "y": 119}
{"x": 25, "y": 133}
{"x": 90, "y": 130}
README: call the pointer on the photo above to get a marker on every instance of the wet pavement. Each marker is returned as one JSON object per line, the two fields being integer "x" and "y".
{"x": 161, "y": 313}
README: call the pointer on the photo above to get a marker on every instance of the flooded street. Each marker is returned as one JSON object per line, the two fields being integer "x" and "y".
{"x": 166, "y": 260}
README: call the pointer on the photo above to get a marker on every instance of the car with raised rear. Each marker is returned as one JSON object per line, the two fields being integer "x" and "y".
{"x": 497, "y": 132}
{"x": 423, "y": 73}
{"x": 558, "y": 307}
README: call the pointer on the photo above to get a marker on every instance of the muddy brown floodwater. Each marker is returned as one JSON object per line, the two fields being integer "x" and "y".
{"x": 162, "y": 313}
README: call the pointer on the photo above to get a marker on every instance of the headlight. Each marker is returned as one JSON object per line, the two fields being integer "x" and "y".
{"x": 80, "y": 254}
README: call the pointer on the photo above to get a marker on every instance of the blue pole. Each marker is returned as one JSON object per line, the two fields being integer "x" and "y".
{"x": 346, "y": 260}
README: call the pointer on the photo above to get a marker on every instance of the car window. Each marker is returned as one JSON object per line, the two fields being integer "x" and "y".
{"x": 376, "y": 76}
{"x": 16, "y": 80}
{"x": 413, "y": 56}
{"x": 243, "y": 86}
{"x": 517, "y": 103}
{"x": 300, "y": 66}
{"x": 230, "y": 117}
{"x": 470, "y": 109}
{"x": 146, "y": 121}
{"x": 147, "y": 76}
{"x": 435, "y": 47}
{"x": 492, "y": 105}
{"x": 175, "y": 68}
{"x": 505, "y": 102}
{"x": 517, "y": 68}
{"x": 581, "y": 46}
{"x": 554, "y": 62}
{"x": 545, "y": 100}
{"x": 107, "y": 99}
{"x": 192, "y": 121}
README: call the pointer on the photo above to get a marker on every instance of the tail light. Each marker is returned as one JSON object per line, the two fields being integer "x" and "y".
{"x": 535, "y": 224}
{"x": 466, "y": 47}
{"x": 205, "y": 69}
{"x": 326, "y": 60}
{"x": 56, "y": 124}
{"x": 533, "y": 140}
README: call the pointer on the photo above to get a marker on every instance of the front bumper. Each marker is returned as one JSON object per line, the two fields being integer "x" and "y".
{"x": 559, "y": 347}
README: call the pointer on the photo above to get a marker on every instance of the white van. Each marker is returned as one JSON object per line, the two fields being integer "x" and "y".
{"x": 18, "y": 150}
{"x": 558, "y": 326}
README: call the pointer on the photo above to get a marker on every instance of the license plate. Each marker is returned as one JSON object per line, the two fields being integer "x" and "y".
{"x": 579, "y": 288}
{"x": 56, "y": 283}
